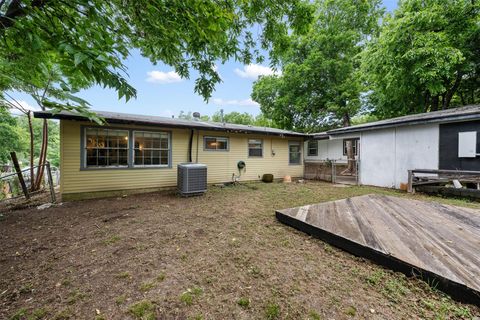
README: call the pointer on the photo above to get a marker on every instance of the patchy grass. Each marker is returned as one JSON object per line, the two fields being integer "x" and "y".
{"x": 244, "y": 302}
{"x": 112, "y": 240}
{"x": 351, "y": 311}
{"x": 131, "y": 257}
{"x": 190, "y": 295}
{"x": 123, "y": 275}
{"x": 75, "y": 296}
{"x": 143, "y": 310}
{"x": 120, "y": 299}
{"x": 272, "y": 311}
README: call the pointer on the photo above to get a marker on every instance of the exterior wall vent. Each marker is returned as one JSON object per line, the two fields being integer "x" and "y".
{"x": 191, "y": 179}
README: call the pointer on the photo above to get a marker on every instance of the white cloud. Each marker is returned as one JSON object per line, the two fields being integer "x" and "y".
{"x": 253, "y": 71}
{"x": 24, "y": 104}
{"x": 242, "y": 103}
{"x": 163, "y": 77}
{"x": 166, "y": 113}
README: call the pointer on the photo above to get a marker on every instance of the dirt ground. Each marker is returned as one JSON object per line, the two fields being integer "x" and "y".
{"x": 219, "y": 256}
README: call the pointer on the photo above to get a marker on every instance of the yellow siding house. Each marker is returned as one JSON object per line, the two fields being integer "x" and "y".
{"x": 134, "y": 153}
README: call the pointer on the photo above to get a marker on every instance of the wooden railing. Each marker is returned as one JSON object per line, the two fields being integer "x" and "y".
{"x": 440, "y": 176}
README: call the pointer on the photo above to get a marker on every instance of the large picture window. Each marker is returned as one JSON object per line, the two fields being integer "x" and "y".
{"x": 255, "y": 147}
{"x": 151, "y": 148}
{"x": 215, "y": 143}
{"x": 125, "y": 148}
{"x": 294, "y": 152}
{"x": 106, "y": 148}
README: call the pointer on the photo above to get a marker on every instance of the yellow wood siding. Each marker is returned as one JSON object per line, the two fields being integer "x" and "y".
{"x": 221, "y": 164}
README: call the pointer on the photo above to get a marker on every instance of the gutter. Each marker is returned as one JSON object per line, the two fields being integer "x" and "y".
{"x": 48, "y": 115}
{"x": 438, "y": 119}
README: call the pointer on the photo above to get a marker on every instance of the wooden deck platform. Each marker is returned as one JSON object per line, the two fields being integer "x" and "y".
{"x": 439, "y": 243}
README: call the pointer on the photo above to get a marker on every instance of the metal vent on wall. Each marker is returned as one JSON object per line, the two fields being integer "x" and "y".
{"x": 191, "y": 178}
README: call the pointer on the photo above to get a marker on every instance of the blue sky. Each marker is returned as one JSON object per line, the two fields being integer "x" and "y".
{"x": 161, "y": 92}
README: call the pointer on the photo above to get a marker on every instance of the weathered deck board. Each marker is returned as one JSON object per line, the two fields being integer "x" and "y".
{"x": 427, "y": 239}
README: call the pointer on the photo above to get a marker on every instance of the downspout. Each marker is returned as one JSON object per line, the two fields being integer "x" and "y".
{"x": 198, "y": 135}
{"x": 190, "y": 144}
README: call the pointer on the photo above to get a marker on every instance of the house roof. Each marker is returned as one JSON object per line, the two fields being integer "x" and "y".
{"x": 465, "y": 113}
{"x": 320, "y": 135}
{"x": 146, "y": 120}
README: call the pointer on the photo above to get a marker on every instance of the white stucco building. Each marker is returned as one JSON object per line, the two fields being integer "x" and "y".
{"x": 387, "y": 149}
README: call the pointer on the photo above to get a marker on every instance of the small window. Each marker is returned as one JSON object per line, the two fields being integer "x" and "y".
{"x": 215, "y": 143}
{"x": 106, "y": 148}
{"x": 467, "y": 144}
{"x": 355, "y": 146}
{"x": 151, "y": 148}
{"x": 294, "y": 152}
{"x": 255, "y": 147}
{"x": 313, "y": 148}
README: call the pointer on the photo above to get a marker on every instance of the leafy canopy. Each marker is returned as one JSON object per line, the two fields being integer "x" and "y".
{"x": 320, "y": 86}
{"x": 426, "y": 57}
{"x": 11, "y": 136}
{"x": 86, "y": 41}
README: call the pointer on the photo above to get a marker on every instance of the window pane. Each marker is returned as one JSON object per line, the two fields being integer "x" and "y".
{"x": 254, "y": 143}
{"x": 123, "y": 157}
{"x": 164, "y": 157}
{"x": 255, "y": 152}
{"x": 91, "y": 138}
{"x": 222, "y": 144}
{"x": 147, "y": 157}
{"x": 294, "y": 158}
{"x": 156, "y": 140}
{"x": 164, "y": 142}
{"x": 123, "y": 139}
{"x": 91, "y": 157}
{"x": 102, "y": 157}
{"x": 156, "y": 157}
{"x": 102, "y": 138}
{"x": 138, "y": 157}
{"x": 139, "y": 141}
{"x": 210, "y": 143}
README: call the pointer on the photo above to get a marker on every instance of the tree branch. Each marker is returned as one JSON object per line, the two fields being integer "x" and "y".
{"x": 15, "y": 10}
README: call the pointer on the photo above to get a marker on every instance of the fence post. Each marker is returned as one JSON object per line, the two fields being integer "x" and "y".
{"x": 410, "y": 181}
{"x": 333, "y": 171}
{"x": 50, "y": 182}
{"x": 20, "y": 175}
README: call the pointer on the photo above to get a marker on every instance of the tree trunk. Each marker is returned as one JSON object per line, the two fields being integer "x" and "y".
{"x": 435, "y": 101}
{"x": 426, "y": 104}
{"x": 30, "y": 128}
{"x": 43, "y": 156}
{"x": 449, "y": 94}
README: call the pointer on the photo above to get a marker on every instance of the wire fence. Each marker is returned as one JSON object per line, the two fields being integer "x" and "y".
{"x": 10, "y": 186}
{"x": 336, "y": 171}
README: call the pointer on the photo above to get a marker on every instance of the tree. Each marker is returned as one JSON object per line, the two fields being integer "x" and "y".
{"x": 234, "y": 117}
{"x": 11, "y": 136}
{"x": 188, "y": 116}
{"x": 53, "y": 153}
{"x": 426, "y": 58}
{"x": 92, "y": 37}
{"x": 320, "y": 85}
{"x": 49, "y": 88}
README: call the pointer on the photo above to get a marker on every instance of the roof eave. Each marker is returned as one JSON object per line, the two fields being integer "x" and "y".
{"x": 59, "y": 116}
{"x": 440, "y": 119}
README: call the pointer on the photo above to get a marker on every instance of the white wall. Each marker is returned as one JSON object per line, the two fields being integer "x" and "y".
{"x": 327, "y": 149}
{"x": 387, "y": 155}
